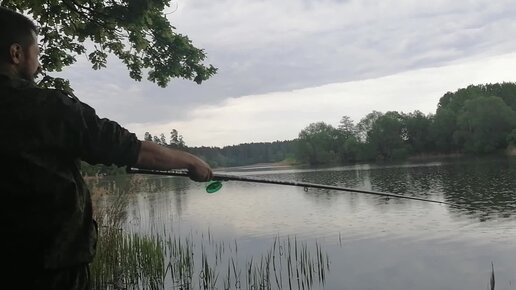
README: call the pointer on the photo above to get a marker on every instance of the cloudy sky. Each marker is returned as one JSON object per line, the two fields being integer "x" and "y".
{"x": 285, "y": 64}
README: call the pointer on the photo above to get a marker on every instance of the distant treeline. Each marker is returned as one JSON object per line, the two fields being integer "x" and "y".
{"x": 479, "y": 119}
{"x": 249, "y": 153}
{"x": 475, "y": 120}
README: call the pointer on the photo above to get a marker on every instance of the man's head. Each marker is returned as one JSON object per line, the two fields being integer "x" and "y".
{"x": 19, "y": 50}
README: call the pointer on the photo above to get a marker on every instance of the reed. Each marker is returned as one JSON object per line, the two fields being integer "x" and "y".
{"x": 492, "y": 278}
{"x": 133, "y": 261}
{"x": 128, "y": 260}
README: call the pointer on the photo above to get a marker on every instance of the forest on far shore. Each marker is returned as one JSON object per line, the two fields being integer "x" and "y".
{"x": 477, "y": 120}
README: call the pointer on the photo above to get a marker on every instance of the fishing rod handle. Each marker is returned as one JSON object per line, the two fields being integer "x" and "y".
{"x": 178, "y": 172}
{"x": 183, "y": 173}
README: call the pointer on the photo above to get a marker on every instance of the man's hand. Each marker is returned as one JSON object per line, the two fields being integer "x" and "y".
{"x": 199, "y": 170}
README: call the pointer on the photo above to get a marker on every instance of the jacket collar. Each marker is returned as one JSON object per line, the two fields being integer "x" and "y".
{"x": 18, "y": 83}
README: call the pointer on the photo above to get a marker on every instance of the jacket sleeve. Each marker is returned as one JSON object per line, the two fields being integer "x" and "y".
{"x": 101, "y": 140}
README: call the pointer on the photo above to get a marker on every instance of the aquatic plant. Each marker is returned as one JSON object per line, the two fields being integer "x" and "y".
{"x": 134, "y": 261}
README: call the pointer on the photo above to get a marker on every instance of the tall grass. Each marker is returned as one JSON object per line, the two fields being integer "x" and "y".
{"x": 128, "y": 260}
{"x": 131, "y": 261}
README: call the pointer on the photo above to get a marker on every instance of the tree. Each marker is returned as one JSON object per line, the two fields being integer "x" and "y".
{"x": 147, "y": 137}
{"x": 135, "y": 31}
{"x": 442, "y": 130}
{"x": 162, "y": 139}
{"x": 318, "y": 143}
{"x": 455, "y": 101}
{"x": 351, "y": 149}
{"x": 349, "y": 143}
{"x": 366, "y": 123}
{"x": 347, "y": 126}
{"x": 457, "y": 107}
{"x": 418, "y": 131}
{"x": 484, "y": 124}
{"x": 387, "y": 136}
{"x": 176, "y": 140}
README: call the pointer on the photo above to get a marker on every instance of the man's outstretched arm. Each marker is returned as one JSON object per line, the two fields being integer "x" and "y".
{"x": 154, "y": 156}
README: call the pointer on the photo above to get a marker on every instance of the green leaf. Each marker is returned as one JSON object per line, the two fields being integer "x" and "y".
{"x": 137, "y": 32}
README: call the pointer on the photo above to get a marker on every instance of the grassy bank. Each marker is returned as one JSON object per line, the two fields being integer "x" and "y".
{"x": 163, "y": 260}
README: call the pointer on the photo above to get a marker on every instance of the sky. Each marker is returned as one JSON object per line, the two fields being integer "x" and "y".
{"x": 285, "y": 64}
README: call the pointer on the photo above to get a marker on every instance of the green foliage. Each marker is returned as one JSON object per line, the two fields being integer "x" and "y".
{"x": 452, "y": 109}
{"x": 347, "y": 128}
{"x": 242, "y": 154}
{"x": 318, "y": 143}
{"x": 245, "y": 154}
{"x": 484, "y": 125}
{"x": 351, "y": 149}
{"x": 147, "y": 137}
{"x": 442, "y": 130}
{"x": 137, "y": 32}
{"x": 366, "y": 124}
{"x": 455, "y": 101}
{"x": 417, "y": 130}
{"x": 162, "y": 139}
{"x": 348, "y": 140}
{"x": 477, "y": 119}
{"x": 176, "y": 140}
{"x": 387, "y": 136}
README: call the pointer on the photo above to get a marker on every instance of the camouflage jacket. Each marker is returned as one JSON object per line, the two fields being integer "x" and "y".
{"x": 46, "y": 207}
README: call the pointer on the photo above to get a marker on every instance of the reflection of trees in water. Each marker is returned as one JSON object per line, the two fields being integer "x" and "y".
{"x": 162, "y": 197}
{"x": 342, "y": 178}
{"x": 489, "y": 186}
{"x": 486, "y": 185}
{"x": 176, "y": 189}
{"x": 110, "y": 197}
{"x": 419, "y": 182}
{"x": 116, "y": 191}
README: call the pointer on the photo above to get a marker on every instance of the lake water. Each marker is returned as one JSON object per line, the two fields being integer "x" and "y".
{"x": 371, "y": 242}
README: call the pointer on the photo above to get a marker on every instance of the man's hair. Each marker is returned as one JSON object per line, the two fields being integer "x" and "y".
{"x": 14, "y": 28}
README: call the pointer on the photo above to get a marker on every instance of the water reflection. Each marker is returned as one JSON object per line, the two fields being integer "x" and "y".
{"x": 374, "y": 242}
{"x": 488, "y": 185}
{"x": 486, "y": 188}
{"x": 483, "y": 188}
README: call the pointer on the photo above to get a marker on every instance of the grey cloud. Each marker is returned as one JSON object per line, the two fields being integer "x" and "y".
{"x": 267, "y": 46}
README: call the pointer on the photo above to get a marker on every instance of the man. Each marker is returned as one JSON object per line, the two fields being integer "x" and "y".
{"x": 49, "y": 235}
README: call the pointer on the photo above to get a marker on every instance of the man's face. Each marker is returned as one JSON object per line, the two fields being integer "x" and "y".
{"x": 29, "y": 60}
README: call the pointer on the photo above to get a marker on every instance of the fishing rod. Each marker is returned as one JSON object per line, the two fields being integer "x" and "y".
{"x": 218, "y": 177}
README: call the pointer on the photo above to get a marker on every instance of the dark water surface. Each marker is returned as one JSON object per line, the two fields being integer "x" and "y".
{"x": 372, "y": 242}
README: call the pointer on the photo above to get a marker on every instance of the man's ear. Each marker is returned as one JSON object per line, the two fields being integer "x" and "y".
{"x": 15, "y": 53}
